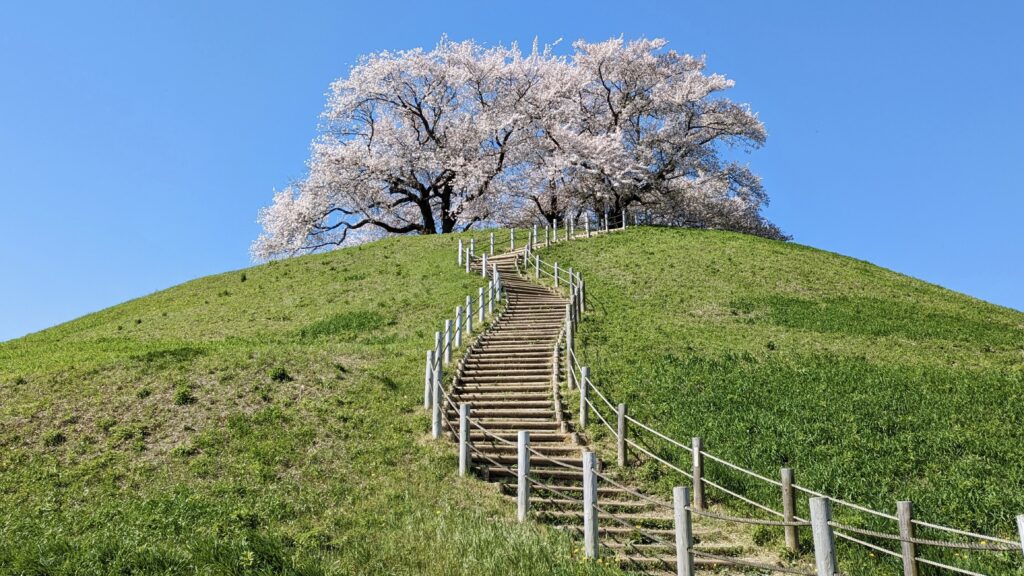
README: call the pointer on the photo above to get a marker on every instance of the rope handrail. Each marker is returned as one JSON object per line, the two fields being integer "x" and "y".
{"x": 660, "y": 435}
{"x": 741, "y": 497}
{"x": 659, "y": 459}
{"x": 965, "y": 533}
{"x": 844, "y": 502}
{"x": 869, "y": 545}
{"x": 927, "y": 541}
{"x": 599, "y": 394}
{"x": 552, "y": 460}
{"x": 634, "y": 492}
{"x": 740, "y": 468}
{"x": 600, "y": 416}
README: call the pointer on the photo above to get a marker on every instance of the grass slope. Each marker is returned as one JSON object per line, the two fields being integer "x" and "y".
{"x": 872, "y": 385}
{"x": 264, "y": 421}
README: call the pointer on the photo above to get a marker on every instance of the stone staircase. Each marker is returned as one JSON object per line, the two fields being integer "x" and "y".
{"x": 510, "y": 378}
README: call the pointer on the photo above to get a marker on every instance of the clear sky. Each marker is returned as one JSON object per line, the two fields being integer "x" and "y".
{"x": 139, "y": 139}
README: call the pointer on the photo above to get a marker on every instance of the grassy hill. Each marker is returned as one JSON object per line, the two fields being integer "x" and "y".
{"x": 263, "y": 421}
{"x": 872, "y": 385}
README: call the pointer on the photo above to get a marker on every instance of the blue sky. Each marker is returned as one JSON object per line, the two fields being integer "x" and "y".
{"x": 139, "y": 139}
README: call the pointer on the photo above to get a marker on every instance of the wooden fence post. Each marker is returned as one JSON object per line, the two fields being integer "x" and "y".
{"x": 480, "y": 299}
{"x": 904, "y": 515}
{"x": 483, "y": 266}
{"x": 590, "y": 542}
{"x": 458, "y": 327}
{"x": 468, "y": 258}
{"x": 464, "y": 458}
{"x": 605, "y": 221}
{"x": 620, "y": 413}
{"x": 492, "y": 244}
{"x": 469, "y": 317}
{"x": 570, "y": 232}
{"x": 789, "y": 509}
{"x": 586, "y": 223}
{"x": 623, "y": 218}
{"x": 533, "y": 238}
{"x": 556, "y": 274}
{"x": 536, "y": 267}
{"x": 447, "y": 355}
{"x": 512, "y": 239}
{"x": 547, "y": 238}
{"x": 698, "y": 474}
{"x": 522, "y": 473}
{"x": 428, "y": 380}
{"x": 472, "y": 247}
{"x": 490, "y": 298}
{"x": 435, "y": 421}
{"x": 824, "y": 540}
{"x": 584, "y": 390}
{"x": 497, "y": 282}
{"x": 583, "y": 296}
{"x": 684, "y": 531}
{"x": 460, "y": 251}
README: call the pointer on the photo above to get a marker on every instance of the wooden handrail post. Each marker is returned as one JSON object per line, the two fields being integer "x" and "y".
{"x": 428, "y": 380}
{"x": 570, "y": 372}
{"x": 620, "y": 414}
{"x": 490, "y": 298}
{"x": 435, "y": 421}
{"x": 824, "y": 540}
{"x": 465, "y": 460}
{"x": 460, "y": 252}
{"x": 469, "y": 317}
{"x": 590, "y": 543}
{"x": 512, "y": 239}
{"x": 698, "y": 474}
{"x": 447, "y": 355}
{"x": 522, "y": 475}
{"x": 684, "y": 531}
{"x": 904, "y": 516}
{"x": 789, "y": 510}
{"x": 492, "y": 244}
{"x": 458, "y": 327}
{"x": 480, "y": 298}
{"x": 536, "y": 267}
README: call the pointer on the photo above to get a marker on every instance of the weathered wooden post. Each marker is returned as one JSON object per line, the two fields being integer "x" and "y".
{"x": 789, "y": 510}
{"x": 480, "y": 299}
{"x": 464, "y": 458}
{"x": 583, "y": 296}
{"x": 684, "y": 531}
{"x": 468, "y": 258}
{"x": 536, "y": 267}
{"x": 437, "y": 347}
{"x": 460, "y": 251}
{"x": 586, "y": 224}
{"x": 435, "y": 421}
{"x": 492, "y": 244}
{"x": 606, "y": 221}
{"x": 512, "y": 239}
{"x": 497, "y": 280}
{"x": 428, "y": 380}
{"x": 824, "y": 541}
{"x": 490, "y": 298}
{"x": 590, "y": 505}
{"x": 570, "y": 233}
{"x": 472, "y": 247}
{"x": 584, "y": 390}
{"x": 447, "y": 355}
{"x": 533, "y": 238}
{"x": 570, "y": 281}
{"x": 547, "y": 237}
{"x": 556, "y": 274}
{"x": 698, "y": 474}
{"x": 469, "y": 317}
{"x": 623, "y": 218}
{"x": 483, "y": 266}
{"x": 458, "y": 327}
{"x": 904, "y": 516}
{"x": 620, "y": 413}
{"x": 522, "y": 476}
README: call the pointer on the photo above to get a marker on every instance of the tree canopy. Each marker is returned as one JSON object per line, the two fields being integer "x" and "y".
{"x": 464, "y": 134}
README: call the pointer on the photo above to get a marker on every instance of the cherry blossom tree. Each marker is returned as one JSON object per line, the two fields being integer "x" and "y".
{"x": 442, "y": 140}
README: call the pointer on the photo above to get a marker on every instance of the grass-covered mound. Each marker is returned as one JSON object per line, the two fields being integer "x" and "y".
{"x": 263, "y": 421}
{"x": 872, "y": 385}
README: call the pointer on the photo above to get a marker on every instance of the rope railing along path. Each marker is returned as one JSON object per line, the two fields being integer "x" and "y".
{"x": 543, "y": 271}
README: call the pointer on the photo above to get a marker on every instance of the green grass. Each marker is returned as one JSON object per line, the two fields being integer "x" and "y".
{"x": 264, "y": 421}
{"x": 873, "y": 386}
